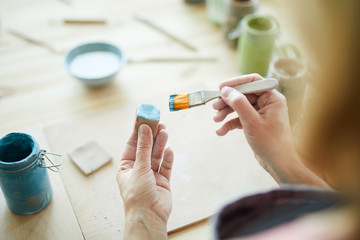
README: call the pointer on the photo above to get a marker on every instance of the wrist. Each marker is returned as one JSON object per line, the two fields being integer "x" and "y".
{"x": 144, "y": 224}
{"x": 294, "y": 171}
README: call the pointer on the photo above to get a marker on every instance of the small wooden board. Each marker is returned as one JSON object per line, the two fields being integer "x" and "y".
{"x": 89, "y": 157}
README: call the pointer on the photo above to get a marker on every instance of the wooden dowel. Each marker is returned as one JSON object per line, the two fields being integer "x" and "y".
{"x": 149, "y": 23}
{"x": 32, "y": 40}
{"x": 84, "y": 21}
{"x": 172, "y": 59}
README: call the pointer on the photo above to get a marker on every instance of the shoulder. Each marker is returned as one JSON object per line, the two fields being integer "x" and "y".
{"x": 262, "y": 211}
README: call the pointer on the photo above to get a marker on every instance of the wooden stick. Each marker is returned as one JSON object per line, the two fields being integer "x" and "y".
{"x": 147, "y": 21}
{"x": 172, "y": 59}
{"x": 84, "y": 21}
{"x": 32, "y": 40}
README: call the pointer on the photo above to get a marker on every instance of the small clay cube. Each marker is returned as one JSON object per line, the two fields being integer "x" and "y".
{"x": 147, "y": 114}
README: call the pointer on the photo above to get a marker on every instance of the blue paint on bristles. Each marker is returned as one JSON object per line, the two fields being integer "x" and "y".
{"x": 172, "y": 102}
{"x": 179, "y": 102}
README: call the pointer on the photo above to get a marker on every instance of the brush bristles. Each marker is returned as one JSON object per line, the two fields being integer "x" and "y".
{"x": 178, "y": 102}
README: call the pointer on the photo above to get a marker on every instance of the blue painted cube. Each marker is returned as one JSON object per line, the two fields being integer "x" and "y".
{"x": 147, "y": 114}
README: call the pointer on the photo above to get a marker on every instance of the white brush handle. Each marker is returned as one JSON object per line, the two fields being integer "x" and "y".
{"x": 258, "y": 86}
{"x": 264, "y": 85}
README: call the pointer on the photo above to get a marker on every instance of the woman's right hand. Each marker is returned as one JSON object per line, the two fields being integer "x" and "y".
{"x": 264, "y": 119}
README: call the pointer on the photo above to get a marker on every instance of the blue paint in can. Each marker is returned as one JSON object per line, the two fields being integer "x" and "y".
{"x": 24, "y": 182}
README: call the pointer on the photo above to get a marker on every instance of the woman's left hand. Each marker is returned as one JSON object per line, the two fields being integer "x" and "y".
{"x": 144, "y": 183}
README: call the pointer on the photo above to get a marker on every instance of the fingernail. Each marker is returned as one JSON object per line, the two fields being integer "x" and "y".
{"x": 143, "y": 130}
{"x": 225, "y": 91}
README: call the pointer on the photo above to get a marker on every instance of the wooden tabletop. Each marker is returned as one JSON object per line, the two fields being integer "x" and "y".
{"x": 36, "y": 90}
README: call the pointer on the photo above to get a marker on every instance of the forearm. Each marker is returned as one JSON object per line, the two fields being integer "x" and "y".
{"x": 291, "y": 169}
{"x": 144, "y": 225}
{"x": 298, "y": 173}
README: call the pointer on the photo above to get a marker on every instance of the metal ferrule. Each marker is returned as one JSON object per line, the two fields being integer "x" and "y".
{"x": 196, "y": 99}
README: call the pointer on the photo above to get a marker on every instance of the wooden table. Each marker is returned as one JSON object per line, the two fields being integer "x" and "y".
{"x": 37, "y": 90}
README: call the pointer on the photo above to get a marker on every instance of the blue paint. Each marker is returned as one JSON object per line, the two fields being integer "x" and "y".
{"x": 24, "y": 183}
{"x": 149, "y": 112}
{"x": 172, "y": 102}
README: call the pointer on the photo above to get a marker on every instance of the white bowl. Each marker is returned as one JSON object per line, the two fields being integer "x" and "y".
{"x": 95, "y": 63}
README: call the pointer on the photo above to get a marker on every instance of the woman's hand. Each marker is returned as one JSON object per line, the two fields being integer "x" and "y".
{"x": 264, "y": 119}
{"x": 144, "y": 183}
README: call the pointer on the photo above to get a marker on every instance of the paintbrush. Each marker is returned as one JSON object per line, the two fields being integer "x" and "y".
{"x": 184, "y": 101}
{"x": 142, "y": 18}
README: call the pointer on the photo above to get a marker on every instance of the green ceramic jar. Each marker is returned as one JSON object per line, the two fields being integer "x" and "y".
{"x": 256, "y": 44}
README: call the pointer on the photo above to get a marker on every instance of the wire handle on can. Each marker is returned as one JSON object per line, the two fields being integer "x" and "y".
{"x": 41, "y": 160}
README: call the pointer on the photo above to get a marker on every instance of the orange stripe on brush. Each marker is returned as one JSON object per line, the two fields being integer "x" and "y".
{"x": 181, "y": 101}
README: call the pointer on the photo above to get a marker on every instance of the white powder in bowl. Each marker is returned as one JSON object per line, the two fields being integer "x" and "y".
{"x": 97, "y": 64}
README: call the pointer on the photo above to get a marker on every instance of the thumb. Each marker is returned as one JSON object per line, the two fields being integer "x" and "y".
{"x": 239, "y": 103}
{"x": 144, "y": 147}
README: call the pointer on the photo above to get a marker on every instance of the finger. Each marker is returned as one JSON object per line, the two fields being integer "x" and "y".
{"x": 252, "y": 98}
{"x": 222, "y": 114}
{"x": 158, "y": 149}
{"x": 161, "y": 126}
{"x": 220, "y": 104}
{"x": 264, "y": 99}
{"x": 125, "y": 165}
{"x": 271, "y": 97}
{"x": 166, "y": 166}
{"x": 144, "y": 147}
{"x": 130, "y": 148}
{"x": 237, "y": 101}
{"x": 232, "y": 82}
{"x": 228, "y": 126}
{"x": 131, "y": 144}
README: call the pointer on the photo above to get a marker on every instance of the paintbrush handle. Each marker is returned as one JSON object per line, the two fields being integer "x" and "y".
{"x": 264, "y": 85}
{"x": 258, "y": 86}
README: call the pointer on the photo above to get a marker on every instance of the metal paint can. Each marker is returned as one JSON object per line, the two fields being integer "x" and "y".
{"x": 23, "y": 175}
